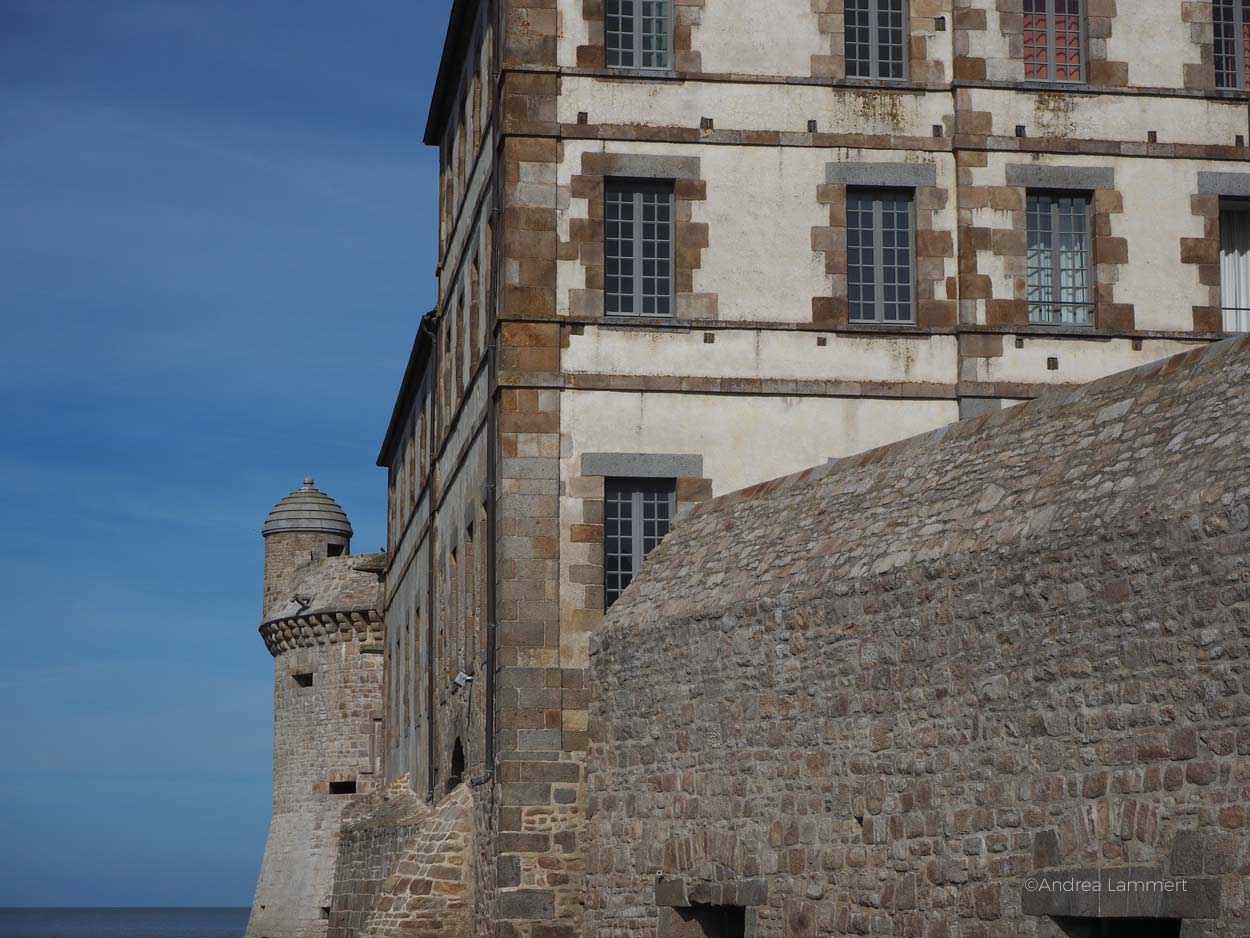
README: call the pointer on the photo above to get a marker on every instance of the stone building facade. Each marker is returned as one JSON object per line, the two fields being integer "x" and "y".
{"x": 947, "y": 687}
{"x": 690, "y": 245}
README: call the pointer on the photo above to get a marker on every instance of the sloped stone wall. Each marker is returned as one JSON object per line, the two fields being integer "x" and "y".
{"x": 890, "y": 695}
{"x": 406, "y": 870}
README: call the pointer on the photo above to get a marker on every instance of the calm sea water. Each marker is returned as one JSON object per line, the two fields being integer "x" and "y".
{"x": 122, "y": 923}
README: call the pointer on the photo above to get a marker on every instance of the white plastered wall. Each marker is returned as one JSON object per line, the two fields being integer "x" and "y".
{"x": 743, "y": 440}
{"x": 1155, "y": 41}
{"x": 1079, "y": 360}
{"x": 1113, "y": 117}
{"x": 776, "y": 38}
{"x": 764, "y": 354}
{"x": 738, "y": 106}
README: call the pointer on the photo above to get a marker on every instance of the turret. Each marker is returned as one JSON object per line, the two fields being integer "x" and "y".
{"x": 308, "y": 525}
{"x": 322, "y": 626}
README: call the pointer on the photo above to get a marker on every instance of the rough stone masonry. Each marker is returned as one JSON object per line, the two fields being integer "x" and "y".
{"x": 947, "y": 687}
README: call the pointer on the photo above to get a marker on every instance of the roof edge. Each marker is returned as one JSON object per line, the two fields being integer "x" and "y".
{"x": 422, "y": 344}
{"x": 453, "y": 45}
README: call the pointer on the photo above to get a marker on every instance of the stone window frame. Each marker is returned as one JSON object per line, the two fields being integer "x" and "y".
{"x": 1097, "y": 21}
{"x": 690, "y": 238}
{"x": 918, "y": 67}
{"x": 664, "y": 491}
{"x": 877, "y": 196}
{"x": 1052, "y": 28}
{"x": 1011, "y": 244}
{"x": 1241, "y": 22}
{"x": 1084, "y": 202}
{"x": 1199, "y": 15}
{"x": 584, "y": 489}
{"x": 636, "y": 192}
{"x": 932, "y": 246}
{"x": 683, "y": 59}
{"x": 638, "y": 36}
{"x": 874, "y": 61}
{"x": 1204, "y": 252}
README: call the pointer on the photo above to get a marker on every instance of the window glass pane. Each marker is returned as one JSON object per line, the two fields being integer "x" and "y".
{"x": 1244, "y": 72}
{"x": 618, "y": 541}
{"x": 619, "y": 27}
{"x": 1074, "y": 286}
{"x": 1036, "y": 41}
{"x": 891, "y": 39}
{"x": 859, "y": 38}
{"x": 1067, "y": 31}
{"x": 1041, "y": 285}
{"x": 656, "y": 245}
{"x": 654, "y": 33}
{"x": 1227, "y": 35}
{"x": 637, "y": 515}
{"x": 618, "y": 252}
{"x": 1235, "y": 267}
{"x": 861, "y": 258}
{"x": 880, "y": 262}
{"x": 876, "y": 40}
{"x": 638, "y": 250}
{"x": 896, "y": 261}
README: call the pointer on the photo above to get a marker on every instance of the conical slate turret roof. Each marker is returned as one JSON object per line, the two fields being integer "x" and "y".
{"x": 307, "y": 509}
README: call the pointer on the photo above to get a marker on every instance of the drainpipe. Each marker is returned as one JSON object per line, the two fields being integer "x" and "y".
{"x": 429, "y": 585}
{"x": 492, "y": 413}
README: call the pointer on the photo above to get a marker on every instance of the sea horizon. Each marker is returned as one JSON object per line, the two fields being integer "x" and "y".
{"x": 164, "y": 921}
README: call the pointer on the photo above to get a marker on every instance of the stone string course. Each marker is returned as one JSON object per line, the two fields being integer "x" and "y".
{"x": 874, "y": 697}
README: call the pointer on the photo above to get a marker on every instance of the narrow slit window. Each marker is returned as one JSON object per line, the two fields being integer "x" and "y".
{"x": 637, "y": 34}
{"x": 637, "y": 515}
{"x": 880, "y": 255}
{"x": 638, "y": 249}
{"x": 1232, "y": 43}
{"x": 877, "y": 38}
{"x": 1054, "y": 40}
{"x": 1061, "y": 279}
{"x": 1235, "y": 265}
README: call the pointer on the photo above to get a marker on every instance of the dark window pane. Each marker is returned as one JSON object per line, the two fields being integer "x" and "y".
{"x": 638, "y": 249}
{"x": 637, "y": 515}
{"x": 880, "y": 265}
{"x": 876, "y": 38}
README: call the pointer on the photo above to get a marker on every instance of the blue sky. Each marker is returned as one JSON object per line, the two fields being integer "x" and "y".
{"x": 217, "y": 240}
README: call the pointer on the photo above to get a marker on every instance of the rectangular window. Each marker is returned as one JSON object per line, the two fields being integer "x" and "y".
{"x": 638, "y": 249}
{"x": 1060, "y": 260}
{"x": 1054, "y": 40}
{"x": 877, "y": 36}
{"x": 1232, "y": 43}
{"x": 1235, "y": 265}
{"x": 879, "y": 254}
{"x": 637, "y": 34}
{"x": 637, "y": 515}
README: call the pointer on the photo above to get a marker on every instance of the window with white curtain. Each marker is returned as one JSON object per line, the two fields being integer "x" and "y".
{"x": 1235, "y": 265}
{"x": 1061, "y": 269}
